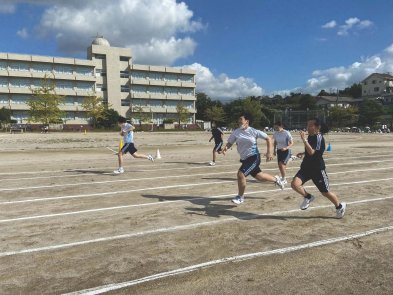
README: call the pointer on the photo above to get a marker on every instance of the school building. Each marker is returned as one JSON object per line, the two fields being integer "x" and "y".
{"x": 107, "y": 72}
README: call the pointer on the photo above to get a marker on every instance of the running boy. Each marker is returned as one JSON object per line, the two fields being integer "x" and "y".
{"x": 126, "y": 130}
{"x": 218, "y": 136}
{"x": 313, "y": 167}
{"x": 283, "y": 141}
{"x": 246, "y": 139}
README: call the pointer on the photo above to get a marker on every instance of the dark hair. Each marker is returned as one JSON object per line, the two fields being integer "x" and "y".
{"x": 323, "y": 128}
{"x": 246, "y": 116}
{"x": 278, "y": 123}
{"x": 121, "y": 119}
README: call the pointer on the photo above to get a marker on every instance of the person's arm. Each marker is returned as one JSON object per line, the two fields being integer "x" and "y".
{"x": 211, "y": 138}
{"x": 274, "y": 147}
{"x": 307, "y": 146}
{"x": 269, "y": 156}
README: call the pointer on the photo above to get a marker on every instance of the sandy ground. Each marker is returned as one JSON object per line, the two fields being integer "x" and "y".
{"x": 68, "y": 224}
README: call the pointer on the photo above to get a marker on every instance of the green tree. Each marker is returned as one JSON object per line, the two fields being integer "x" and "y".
{"x": 139, "y": 113}
{"x": 354, "y": 91}
{"x": 182, "y": 113}
{"x": 109, "y": 120}
{"x": 5, "y": 115}
{"x": 306, "y": 101}
{"x": 95, "y": 108}
{"x": 370, "y": 112}
{"x": 203, "y": 102}
{"x": 215, "y": 114}
{"x": 44, "y": 104}
{"x": 340, "y": 117}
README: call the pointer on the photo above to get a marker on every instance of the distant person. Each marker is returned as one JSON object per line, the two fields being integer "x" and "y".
{"x": 245, "y": 138}
{"x": 218, "y": 136}
{"x": 313, "y": 167}
{"x": 127, "y": 131}
{"x": 283, "y": 142}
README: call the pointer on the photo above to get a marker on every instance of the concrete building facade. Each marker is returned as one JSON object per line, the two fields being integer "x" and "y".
{"x": 378, "y": 86}
{"x": 107, "y": 72}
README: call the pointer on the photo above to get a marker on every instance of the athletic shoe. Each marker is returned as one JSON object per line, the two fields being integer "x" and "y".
{"x": 340, "y": 212}
{"x": 238, "y": 200}
{"x": 119, "y": 171}
{"x": 279, "y": 182}
{"x": 150, "y": 158}
{"x": 293, "y": 158}
{"x": 306, "y": 202}
{"x": 212, "y": 163}
{"x": 284, "y": 180}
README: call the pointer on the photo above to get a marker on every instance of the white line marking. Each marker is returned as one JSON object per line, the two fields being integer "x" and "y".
{"x": 179, "y": 228}
{"x": 239, "y": 258}
{"x": 165, "y": 164}
{"x": 166, "y": 202}
{"x": 152, "y": 188}
{"x": 152, "y": 178}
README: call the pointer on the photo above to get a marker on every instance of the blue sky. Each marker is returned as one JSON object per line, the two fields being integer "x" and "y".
{"x": 238, "y": 48}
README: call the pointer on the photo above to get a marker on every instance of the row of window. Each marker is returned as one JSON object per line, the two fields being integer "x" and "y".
{"x": 46, "y": 68}
{"x": 159, "y": 76}
{"x": 24, "y": 116}
{"x": 162, "y": 90}
{"x": 156, "y": 103}
{"x": 23, "y": 99}
{"x": 36, "y": 83}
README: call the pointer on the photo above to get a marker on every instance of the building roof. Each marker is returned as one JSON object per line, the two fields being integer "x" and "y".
{"x": 99, "y": 40}
{"x": 335, "y": 99}
{"x": 379, "y": 75}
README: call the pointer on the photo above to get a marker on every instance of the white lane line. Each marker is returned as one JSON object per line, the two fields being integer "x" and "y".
{"x": 162, "y": 164}
{"x": 167, "y": 202}
{"x": 106, "y": 194}
{"x": 159, "y": 177}
{"x": 180, "y": 227}
{"x": 239, "y": 258}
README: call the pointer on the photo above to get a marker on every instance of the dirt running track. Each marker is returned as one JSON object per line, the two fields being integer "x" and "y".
{"x": 67, "y": 224}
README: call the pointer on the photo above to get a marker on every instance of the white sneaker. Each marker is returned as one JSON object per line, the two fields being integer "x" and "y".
{"x": 284, "y": 180}
{"x": 238, "y": 200}
{"x": 119, "y": 171}
{"x": 279, "y": 182}
{"x": 150, "y": 158}
{"x": 340, "y": 212}
{"x": 306, "y": 202}
{"x": 293, "y": 158}
{"x": 212, "y": 163}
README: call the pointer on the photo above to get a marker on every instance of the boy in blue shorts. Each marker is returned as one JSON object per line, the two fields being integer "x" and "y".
{"x": 127, "y": 131}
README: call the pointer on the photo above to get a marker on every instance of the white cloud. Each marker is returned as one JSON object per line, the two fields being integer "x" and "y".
{"x": 223, "y": 87}
{"x": 7, "y": 7}
{"x": 157, "y": 31}
{"x": 23, "y": 33}
{"x": 342, "y": 77}
{"x": 330, "y": 25}
{"x": 353, "y": 24}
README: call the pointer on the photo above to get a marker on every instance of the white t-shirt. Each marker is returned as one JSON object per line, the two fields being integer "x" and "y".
{"x": 246, "y": 140}
{"x": 128, "y": 133}
{"x": 282, "y": 138}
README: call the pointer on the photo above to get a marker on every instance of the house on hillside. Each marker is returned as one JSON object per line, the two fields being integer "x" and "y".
{"x": 378, "y": 86}
{"x": 327, "y": 102}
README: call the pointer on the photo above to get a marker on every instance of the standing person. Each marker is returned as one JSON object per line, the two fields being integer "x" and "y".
{"x": 283, "y": 142}
{"x": 218, "y": 136}
{"x": 245, "y": 138}
{"x": 127, "y": 131}
{"x": 313, "y": 167}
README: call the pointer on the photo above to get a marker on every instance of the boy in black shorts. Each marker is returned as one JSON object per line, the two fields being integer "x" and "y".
{"x": 313, "y": 167}
{"x": 218, "y": 136}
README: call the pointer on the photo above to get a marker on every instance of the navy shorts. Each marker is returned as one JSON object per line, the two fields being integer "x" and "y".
{"x": 319, "y": 177}
{"x": 283, "y": 156}
{"x": 250, "y": 166}
{"x": 218, "y": 147}
{"x": 128, "y": 148}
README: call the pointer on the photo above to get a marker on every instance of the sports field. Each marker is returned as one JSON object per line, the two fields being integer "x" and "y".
{"x": 69, "y": 225}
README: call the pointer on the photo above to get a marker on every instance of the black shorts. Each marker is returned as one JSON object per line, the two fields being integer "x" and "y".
{"x": 128, "y": 148}
{"x": 218, "y": 147}
{"x": 319, "y": 177}
{"x": 250, "y": 166}
{"x": 283, "y": 156}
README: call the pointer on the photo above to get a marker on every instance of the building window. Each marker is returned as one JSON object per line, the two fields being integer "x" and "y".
{"x": 19, "y": 83}
{"x": 3, "y": 65}
{"x": 19, "y": 66}
{"x": 42, "y": 68}
{"x": 60, "y": 69}
{"x": 4, "y": 99}
{"x": 124, "y": 74}
{"x": 84, "y": 71}
{"x": 124, "y": 58}
{"x": 125, "y": 88}
{"x": 100, "y": 56}
{"x": 374, "y": 82}
{"x": 3, "y": 82}
{"x": 376, "y": 89}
